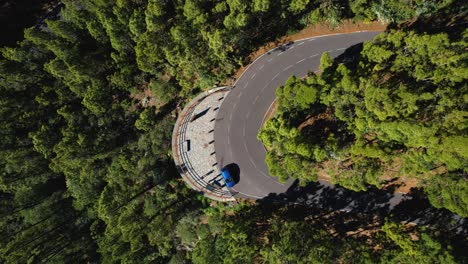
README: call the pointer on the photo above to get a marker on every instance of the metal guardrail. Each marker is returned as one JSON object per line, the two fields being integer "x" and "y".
{"x": 182, "y": 159}
{"x": 185, "y": 159}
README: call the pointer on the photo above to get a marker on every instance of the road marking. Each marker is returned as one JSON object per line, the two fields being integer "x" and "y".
{"x": 285, "y": 69}
{"x": 261, "y": 67}
{"x": 256, "y": 99}
{"x": 264, "y": 116}
{"x": 253, "y": 76}
{"x": 300, "y": 61}
{"x": 309, "y": 39}
{"x": 280, "y": 53}
{"x": 341, "y": 49}
{"x": 277, "y": 75}
{"x": 258, "y": 197}
{"x": 247, "y": 116}
{"x": 251, "y": 160}
{"x": 300, "y": 43}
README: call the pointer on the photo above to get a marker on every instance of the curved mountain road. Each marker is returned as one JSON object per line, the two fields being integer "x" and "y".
{"x": 242, "y": 113}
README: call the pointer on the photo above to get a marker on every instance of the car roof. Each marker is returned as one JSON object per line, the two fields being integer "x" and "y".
{"x": 225, "y": 173}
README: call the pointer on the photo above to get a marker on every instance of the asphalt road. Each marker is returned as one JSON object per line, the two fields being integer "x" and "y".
{"x": 242, "y": 113}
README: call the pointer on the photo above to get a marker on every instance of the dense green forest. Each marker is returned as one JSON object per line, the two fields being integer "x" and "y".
{"x": 86, "y": 173}
{"x": 392, "y": 109}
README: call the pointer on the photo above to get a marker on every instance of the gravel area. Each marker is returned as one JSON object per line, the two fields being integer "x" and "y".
{"x": 193, "y": 145}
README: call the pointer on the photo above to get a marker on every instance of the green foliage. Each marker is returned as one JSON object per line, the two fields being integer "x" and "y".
{"x": 86, "y": 173}
{"x": 393, "y": 11}
{"x": 449, "y": 192}
{"x": 423, "y": 249}
{"x": 164, "y": 92}
{"x": 325, "y": 61}
{"x": 397, "y": 109}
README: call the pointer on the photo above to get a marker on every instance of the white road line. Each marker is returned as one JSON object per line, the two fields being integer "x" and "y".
{"x": 269, "y": 177}
{"x": 253, "y": 76}
{"x": 341, "y": 49}
{"x": 258, "y": 197}
{"x": 300, "y": 61}
{"x": 261, "y": 67}
{"x": 304, "y": 39}
{"x": 274, "y": 77}
{"x": 264, "y": 116}
{"x": 270, "y": 59}
{"x": 290, "y": 66}
{"x": 315, "y": 55}
{"x": 280, "y": 53}
{"x": 247, "y": 116}
{"x": 300, "y": 43}
{"x": 256, "y": 99}
{"x": 251, "y": 160}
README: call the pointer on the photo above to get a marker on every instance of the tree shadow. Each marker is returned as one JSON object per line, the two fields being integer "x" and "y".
{"x": 371, "y": 206}
{"x": 234, "y": 170}
{"x": 202, "y": 113}
{"x": 331, "y": 197}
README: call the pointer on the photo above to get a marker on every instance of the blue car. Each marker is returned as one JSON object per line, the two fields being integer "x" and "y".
{"x": 227, "y": 177}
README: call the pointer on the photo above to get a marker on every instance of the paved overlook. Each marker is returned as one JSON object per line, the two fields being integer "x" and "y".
{"x": 243, "y": 110}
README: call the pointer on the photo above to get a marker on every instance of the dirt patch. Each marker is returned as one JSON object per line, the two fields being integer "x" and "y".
{"x": 346, "y": 26}
{"x": 270, "y": 112}
{"x": 204, "y": 219}
{"x": 310, "y": 120}
{"x": 402, "y": 184}
{"x": 145, "y": 96}
{"x": 322, "y": 169}
{"x": 405, "y": 185}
